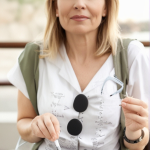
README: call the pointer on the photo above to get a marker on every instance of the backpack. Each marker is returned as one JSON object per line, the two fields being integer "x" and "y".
{"x": 29, "y": 61}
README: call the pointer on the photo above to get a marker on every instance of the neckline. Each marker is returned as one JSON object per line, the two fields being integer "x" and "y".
{"x": 99, "y": 75}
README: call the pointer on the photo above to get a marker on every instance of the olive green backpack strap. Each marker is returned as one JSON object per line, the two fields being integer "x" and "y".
{"x": 28, "y": 62}
{"x": 120, "y": 61}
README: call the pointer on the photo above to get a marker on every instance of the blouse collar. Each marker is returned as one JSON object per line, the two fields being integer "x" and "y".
{"x": 66, "y": 71}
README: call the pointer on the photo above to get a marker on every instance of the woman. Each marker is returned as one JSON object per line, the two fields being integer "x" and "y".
{"x": 80, "y": 39}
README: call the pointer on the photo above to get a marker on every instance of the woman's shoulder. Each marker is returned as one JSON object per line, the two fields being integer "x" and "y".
{"x": 136, "y": 46}
{"x": 135, "y": 50}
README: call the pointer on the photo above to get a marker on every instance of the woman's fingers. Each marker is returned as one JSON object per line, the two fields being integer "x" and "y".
{"x": 36, "y": 131}
{"x": 140, "y": 120}
{"x": 135, "y": 101}
{"x": 137, "y": 109}
{"x": 55, "y": 124}
{"x": 45, "y": 126}
{"x": 48, "y": 121}
{"x": 44, "y": 129}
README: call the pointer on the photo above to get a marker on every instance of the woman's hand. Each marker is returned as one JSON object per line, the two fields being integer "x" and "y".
{"x": 45, "y": 126}
{"x": 136, "y": 113}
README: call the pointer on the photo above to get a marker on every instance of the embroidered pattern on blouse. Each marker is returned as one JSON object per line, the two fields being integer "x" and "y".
{"x": 80, "y": 117}
{"x": 49, "y": 145}
{"x": 57, "y": 97}
{"x": 99, "y": 122}
{"x": 97, "y": 144}
{"x": 71, "y": 144}
{"x": 66, "y": 108}
{"x": 100, "y": 113}
{"x": 56, "y": 103}
{"x": 54, "y": 112}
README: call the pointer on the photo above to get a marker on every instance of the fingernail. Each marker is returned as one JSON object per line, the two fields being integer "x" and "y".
{"x": 54, "y": 137}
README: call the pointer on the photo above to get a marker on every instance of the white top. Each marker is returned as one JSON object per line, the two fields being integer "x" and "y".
{"x": 58, "y": 86}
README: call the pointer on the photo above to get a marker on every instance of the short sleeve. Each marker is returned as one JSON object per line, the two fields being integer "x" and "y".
{"x": 15, "y": 77}
{"x": 139, "y": 73}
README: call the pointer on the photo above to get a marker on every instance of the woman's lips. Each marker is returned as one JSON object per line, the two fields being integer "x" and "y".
{"x": 79, "y": 19}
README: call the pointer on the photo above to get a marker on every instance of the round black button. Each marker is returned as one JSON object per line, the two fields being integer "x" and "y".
{"x": 74, "y": 127}
{"x": 80, "y": 103}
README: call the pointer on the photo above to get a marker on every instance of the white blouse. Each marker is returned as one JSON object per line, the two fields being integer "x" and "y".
{"x": 58, "y": 87}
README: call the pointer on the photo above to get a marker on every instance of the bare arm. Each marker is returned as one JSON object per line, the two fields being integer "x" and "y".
{"x": 24, "y": 130}
{"x": 33, "y": 128}
{"x": 26, "y": 114}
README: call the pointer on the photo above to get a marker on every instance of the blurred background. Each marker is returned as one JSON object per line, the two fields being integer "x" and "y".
{"x": 24, "y": 21}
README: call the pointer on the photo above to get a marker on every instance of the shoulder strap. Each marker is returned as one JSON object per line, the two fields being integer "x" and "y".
{"x": 120, "y": 61}
{"x": 28, "y": 62}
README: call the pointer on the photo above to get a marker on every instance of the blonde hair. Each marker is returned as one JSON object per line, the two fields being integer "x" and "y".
{"x": 108, "y": 31}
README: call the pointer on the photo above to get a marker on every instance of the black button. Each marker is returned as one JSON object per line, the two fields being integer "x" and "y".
{"x": 80, "y": 103}
{"x": 74, "y": 127}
